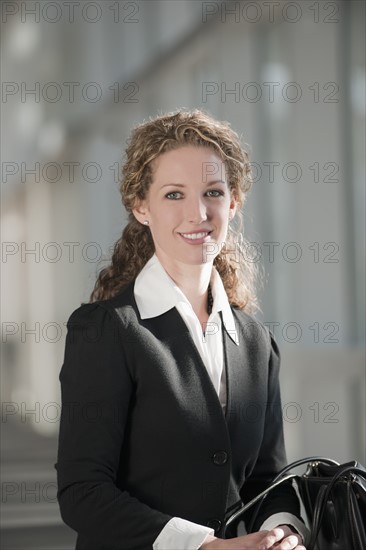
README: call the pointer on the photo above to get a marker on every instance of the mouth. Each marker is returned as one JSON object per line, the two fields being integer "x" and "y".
{"x": 195, "y": 238}
{"x": 196, "y": 235}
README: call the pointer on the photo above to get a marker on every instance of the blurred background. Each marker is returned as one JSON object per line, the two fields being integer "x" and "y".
{"x": 76, "y": 77}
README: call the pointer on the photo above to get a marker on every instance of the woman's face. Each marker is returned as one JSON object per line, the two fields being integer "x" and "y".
{"x": 188, "y": 205}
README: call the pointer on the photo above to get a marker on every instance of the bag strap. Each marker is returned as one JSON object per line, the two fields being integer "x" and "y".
{"x": 323, "y": 498}
{"x": 295, "y": 464}
{"x": 276, "y": 482}
{"x": 260, "y": 496}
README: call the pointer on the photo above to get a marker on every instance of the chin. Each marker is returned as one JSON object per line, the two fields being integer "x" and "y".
{"x": 198, "y": 260}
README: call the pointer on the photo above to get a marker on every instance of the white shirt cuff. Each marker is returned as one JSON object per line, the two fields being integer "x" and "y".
{"x": 181, "y": 534}
{"x": 284, "y": 518}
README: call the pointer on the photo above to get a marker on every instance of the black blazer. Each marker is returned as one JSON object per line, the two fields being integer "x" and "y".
{"x": 143, "y": 436}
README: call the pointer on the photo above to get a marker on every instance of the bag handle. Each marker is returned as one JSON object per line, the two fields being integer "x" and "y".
{"x": 278, "y": 480}
{"x": 295, "y": 464}
{"x": 323, "y": 498}
{"x": 260, "y": 496}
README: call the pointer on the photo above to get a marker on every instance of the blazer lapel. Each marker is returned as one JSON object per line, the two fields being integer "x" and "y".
{"x": 236, "y": 388}
{"x": 171, "y": 329}
{"x": 234, "y": 359}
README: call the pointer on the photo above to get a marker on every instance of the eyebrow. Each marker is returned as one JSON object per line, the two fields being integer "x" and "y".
{"x": 182, "y": 184}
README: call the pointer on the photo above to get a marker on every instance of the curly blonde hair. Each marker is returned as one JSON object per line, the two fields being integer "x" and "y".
{"x": 135, "y": 247}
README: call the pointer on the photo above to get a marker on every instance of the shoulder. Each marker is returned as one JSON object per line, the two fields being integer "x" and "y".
{"x": 119, "y": 310}
{"x": 254, "y": 332}
{"x": 249, "y": 325}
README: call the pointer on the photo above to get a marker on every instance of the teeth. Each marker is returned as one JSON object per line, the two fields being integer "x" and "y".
{"x": 194, "y": 236}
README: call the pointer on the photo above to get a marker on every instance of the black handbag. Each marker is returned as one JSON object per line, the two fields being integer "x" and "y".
{"x": 334, "y": 498}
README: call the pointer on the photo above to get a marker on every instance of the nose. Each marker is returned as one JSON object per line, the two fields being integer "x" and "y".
{"x": 196, "y": 211}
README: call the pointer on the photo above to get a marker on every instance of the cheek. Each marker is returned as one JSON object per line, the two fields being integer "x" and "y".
{"x": 223, "y": 216}
{"x": 164, "y": 218}
{"x": 165, "y": 212}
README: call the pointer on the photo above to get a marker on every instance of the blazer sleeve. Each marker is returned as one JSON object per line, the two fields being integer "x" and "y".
{"x": 271, "y": 457}
{"x": 96, "y": 389}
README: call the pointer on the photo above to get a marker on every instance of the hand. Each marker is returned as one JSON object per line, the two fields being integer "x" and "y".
{"x": 280, "y": 538}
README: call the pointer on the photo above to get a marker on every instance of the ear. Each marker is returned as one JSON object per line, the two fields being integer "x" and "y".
{"x": 233, "y": 207}
{"x": 141, "y": 212}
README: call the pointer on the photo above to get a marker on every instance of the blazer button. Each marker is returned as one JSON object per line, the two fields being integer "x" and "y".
{"x": 214, "y": 524}
{"x": 220, "y": 458}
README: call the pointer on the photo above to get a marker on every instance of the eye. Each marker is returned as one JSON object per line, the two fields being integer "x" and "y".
{"x": 169, "y": 195}
{"x": 217, "y": 193}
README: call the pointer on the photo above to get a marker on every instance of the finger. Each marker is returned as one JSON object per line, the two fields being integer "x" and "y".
{"x": 273, "y": 536}
{"x": 289, "y": 543}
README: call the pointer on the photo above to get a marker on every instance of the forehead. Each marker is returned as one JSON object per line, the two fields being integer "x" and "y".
{"x": 189, "y": 162}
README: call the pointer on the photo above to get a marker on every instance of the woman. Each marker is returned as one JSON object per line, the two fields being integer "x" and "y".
{"x": 171, "y": 412}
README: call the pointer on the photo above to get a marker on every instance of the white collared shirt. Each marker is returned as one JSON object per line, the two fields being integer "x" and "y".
{"x": 156, "y": 293}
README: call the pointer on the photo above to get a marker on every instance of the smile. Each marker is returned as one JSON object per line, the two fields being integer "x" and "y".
{"x": 194, "y": 236}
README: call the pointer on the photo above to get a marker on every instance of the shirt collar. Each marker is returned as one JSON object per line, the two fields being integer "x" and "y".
{"x": 156, "y": 293}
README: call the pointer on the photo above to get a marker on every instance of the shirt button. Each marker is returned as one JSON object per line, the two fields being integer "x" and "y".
{"x": 214, "y": 524}
{"x": 220, "y": 458}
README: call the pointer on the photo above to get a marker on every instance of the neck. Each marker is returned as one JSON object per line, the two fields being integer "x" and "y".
{"x": 193, "y": 280}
